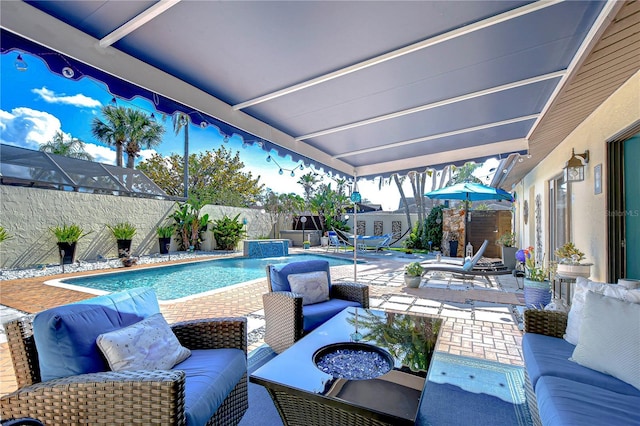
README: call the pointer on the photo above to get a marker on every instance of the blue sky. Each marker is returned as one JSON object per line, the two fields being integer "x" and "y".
{"x": 35, "y": 104}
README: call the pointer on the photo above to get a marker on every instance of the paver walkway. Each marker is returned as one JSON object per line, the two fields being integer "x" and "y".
{"x": 481, "y": 321}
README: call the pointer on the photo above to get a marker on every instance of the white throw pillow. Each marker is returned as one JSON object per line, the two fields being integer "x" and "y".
{"x": 629, "y": 284}
{"x": 146, "y": 345}
{"x": 582, "y": 286}
{"x": 312, "y": 286}
{"x": 610, "y": 338}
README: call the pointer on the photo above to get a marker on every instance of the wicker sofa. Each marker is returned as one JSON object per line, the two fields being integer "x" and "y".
{"x": 209, "y": 387}
{"x": 560, "y": 390}
{"x": 287, "y": 319}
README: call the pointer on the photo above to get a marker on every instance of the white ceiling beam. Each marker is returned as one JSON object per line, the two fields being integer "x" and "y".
{"x": 445, "y": 157}
{"x": 138, "y": 21}
{"x": 437, "y": 136}
{"x": 458, "y": 32}
{"x": 441, "y": 103}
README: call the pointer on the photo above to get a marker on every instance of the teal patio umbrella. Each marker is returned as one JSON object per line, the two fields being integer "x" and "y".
{"x": 469, "y": 191}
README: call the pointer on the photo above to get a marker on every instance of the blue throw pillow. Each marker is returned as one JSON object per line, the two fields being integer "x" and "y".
{"x": 280, "y": 272}
{"x": 65, "y": 336}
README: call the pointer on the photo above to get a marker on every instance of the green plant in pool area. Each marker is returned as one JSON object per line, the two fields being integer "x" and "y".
{"x": 165, "y": 231}
{"x": 414, "y": 269}
{"x": 123, "y": 231}
{"x": 4, "y": 235}
{"x": 68, "y": 233}
{"x": 228, "y": 232}
{"x": 189, "y": 225}
{"x": 508, "y": 239}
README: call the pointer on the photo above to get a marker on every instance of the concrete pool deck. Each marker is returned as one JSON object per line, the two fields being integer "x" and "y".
{"x": 481, "y": 321}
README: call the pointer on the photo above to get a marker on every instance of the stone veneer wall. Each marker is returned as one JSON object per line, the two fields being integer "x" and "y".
{"x": 28, "y": 213}
{"x": 453, "y": 223}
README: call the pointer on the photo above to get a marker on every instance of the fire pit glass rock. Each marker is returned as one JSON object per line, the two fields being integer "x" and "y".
{"x": 353, "y": 361}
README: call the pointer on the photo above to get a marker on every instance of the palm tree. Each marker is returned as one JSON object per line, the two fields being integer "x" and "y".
{"x": 72, "y": 147}
{"x": 308, "y": 182}
{"x": 181, "y": 120}
{"x": 112, "y": 131}
{"x": 142, "y": 132}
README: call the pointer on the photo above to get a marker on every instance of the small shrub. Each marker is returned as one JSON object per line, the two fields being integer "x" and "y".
{"x": 68, "y": 233}
{"x": 228, "y": 232}
{"x": 165, "y": 231}
{"x": 414, "y": 269}
{"x": 123, "y": 231}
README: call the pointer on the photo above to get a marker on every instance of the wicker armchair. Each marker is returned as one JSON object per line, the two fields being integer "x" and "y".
{"x": 284, "y": 312}
{"x": 131, "y": 397}
{"x": 549, "y": 323}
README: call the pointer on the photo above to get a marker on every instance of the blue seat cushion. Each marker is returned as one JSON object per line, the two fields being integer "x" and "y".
{"x": 65, "y": 336}
{"x": 316, "y": 314}
{"x": 279, "y": 272}
{"x": 211, "y": 374}
{"x": 567, "y": 402}
{"x": 549, "y": 356}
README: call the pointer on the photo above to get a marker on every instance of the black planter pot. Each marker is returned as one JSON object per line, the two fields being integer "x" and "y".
{"x": 124, "y": 246}
{"x": 453, "y": 248}
{"x": 164, "y": 244}
{"x": 67, "y": 252}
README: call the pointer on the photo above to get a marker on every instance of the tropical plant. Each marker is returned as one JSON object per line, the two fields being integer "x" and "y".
{"x": 189, "y": 226}
{"x": 112, "y": 131}
{"x": 68, "y": 233}
{"x": 165, "y": 231}
{"x": 122, "y": 231}
{"x": 228, "y": 232}
{"x": 127, "y": 129}
{"x": 414, "y": 269}
{"x": 508, "y": 239}
{"x": 534, "y": 270}
{"x": 142, "y": 132}
{"x": 71, "y": 147}
{"x": 569, "y": 254}
{"x": 4, "y": 235}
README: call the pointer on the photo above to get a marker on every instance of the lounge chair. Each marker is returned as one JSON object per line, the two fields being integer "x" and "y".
{"x": 385, "y": 242}
{"x": 335, "y": 242}
{"x": 467, "y": 268}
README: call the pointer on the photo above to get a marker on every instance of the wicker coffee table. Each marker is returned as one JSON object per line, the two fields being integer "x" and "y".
{"x": 305, "y": 395}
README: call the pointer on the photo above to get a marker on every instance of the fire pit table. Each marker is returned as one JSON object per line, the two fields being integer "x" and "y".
{"x": 362, "y": 367}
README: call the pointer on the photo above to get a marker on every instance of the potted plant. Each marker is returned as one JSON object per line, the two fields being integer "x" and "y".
{"x": 537, "y": 287}
{"x": 123, "y": 233}
{"x": 67, "y": 237}
{"x": 306, "y": 244}
{"x": 508, "y": 242}
{"x": 164, "y": 237}
{"x": 413, "y": 274}
{"x": 569, "y": 266}
{"x": 453, "y": 244}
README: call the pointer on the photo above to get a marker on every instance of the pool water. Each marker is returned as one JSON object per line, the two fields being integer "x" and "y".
{"x": 187, "y": 279}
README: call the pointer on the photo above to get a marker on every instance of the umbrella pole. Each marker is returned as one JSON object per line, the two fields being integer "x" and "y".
{"x": 466, "y": 225}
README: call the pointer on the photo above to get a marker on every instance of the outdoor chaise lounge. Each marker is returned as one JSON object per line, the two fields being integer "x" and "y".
{"x": 468, "y": 268}
{"x": 110, "y": 360}
{"x": 299, "y": 301}
{"x": 336, "y": 242}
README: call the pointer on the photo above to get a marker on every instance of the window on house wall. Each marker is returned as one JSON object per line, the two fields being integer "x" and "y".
{"x": 559, "y": 223}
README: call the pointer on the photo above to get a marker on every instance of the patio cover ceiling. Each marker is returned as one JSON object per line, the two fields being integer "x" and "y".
{"x": 364, "y": 88}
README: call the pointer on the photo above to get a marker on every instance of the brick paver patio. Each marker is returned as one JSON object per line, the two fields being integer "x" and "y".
{"x": 481, "y": 321}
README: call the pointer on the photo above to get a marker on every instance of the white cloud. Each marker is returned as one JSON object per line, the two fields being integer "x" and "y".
{"x": 27, "y": 127}
{"x": 145, "y": 154}
{"x": 78, "y": 100}
{"x": 101, "y": 154}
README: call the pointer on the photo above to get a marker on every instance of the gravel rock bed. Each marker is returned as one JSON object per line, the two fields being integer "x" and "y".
{"x": 103, "y": 264}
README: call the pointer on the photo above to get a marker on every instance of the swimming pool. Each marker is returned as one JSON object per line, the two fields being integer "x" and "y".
{"x": 188, "y": 279}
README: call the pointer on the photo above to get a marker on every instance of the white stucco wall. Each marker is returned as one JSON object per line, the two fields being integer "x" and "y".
{"x": 588, "y": 210}
{"x": 28, "y": 213}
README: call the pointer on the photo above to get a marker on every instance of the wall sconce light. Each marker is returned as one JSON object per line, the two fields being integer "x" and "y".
{"x": 574, "y": 169}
